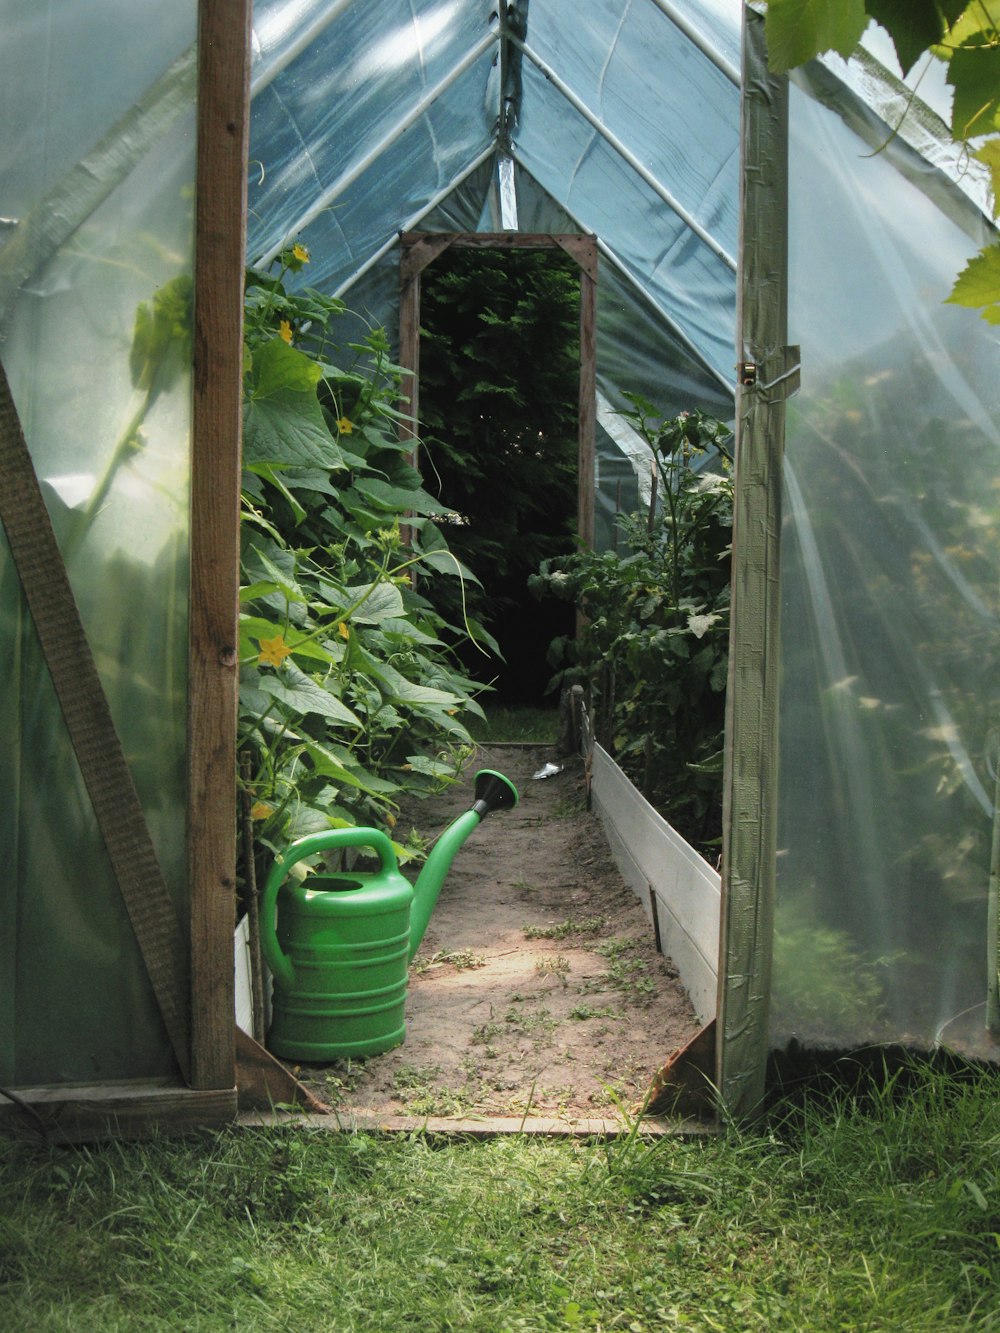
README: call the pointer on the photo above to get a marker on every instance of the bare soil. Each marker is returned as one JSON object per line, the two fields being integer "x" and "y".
{"x": 538, "y": 989}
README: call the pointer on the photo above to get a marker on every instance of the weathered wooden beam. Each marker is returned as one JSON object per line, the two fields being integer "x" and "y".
{"x": 588, "y": 393}
{"x": 684, "y": 1087}
{"x": 220, "y": 220}
{"x": 87, "y": 1113}
{"x": 420, "y": 248}
{"x": 263, "y": 1082}
{"x": 582, "y": 249}
{"x": 749, "y": 814}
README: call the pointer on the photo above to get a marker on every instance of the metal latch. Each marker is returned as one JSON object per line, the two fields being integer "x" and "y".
{"x": 775, "y": 377}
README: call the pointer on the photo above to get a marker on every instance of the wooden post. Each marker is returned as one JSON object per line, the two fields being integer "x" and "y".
{"x": 587, "y": 259}
{"x": 749, "y": 813}
{"x": 223, "y": 140}
{"x": 418, "y": 250}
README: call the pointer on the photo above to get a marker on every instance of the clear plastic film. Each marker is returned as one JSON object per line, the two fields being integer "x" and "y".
{"x": 105, "y": 406}
{"x": 890, "y": 692}
{"x": 361, "y": 114}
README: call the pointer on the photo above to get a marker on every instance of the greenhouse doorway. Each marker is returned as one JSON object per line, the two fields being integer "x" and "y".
{"x": 481, "y": 316}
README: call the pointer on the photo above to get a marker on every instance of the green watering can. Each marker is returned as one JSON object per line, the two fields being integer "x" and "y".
{"x": 339, "y": 945}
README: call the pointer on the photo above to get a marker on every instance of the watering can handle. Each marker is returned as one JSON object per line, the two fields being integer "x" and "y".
{"x": 275, "y": 957}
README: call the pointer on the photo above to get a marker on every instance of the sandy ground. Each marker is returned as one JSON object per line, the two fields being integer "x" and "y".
{"x": 538, "y": 988}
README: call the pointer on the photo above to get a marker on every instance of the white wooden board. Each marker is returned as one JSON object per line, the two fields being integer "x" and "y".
{"x": 244, "y": 995}
{"x": 663, "y": 870}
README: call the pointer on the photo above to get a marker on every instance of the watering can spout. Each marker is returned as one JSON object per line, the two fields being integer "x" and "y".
{"x": 492, "y": 792}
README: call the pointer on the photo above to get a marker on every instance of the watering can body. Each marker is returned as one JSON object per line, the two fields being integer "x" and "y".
{"x": 339, "y": 952}
{"x": 339, "y": 945}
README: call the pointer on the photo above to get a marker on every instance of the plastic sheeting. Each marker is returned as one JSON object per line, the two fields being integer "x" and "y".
{"x": 382, "y": 107}
{"x": 616, "y": 71}
{"x": 890, "y": 694}
{"x": 113, "y": 459}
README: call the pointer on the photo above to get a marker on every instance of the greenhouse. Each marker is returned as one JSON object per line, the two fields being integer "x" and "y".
{"x": 771, "y": 251}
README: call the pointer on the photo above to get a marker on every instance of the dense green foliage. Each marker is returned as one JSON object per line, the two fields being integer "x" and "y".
{"x": 866, "y": 1208}
{"x": 654, "y": 649}
{"x": 965, "y": 36}
{"x": 499, "y": 390}
{"x": 349, "y": 690}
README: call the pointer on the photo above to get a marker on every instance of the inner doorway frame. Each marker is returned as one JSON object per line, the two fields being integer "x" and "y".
{"x": 420, "y": 249}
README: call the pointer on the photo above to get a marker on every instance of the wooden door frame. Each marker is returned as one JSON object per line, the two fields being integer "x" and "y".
{"x": 767, "y": 375}
{"x": 420, "y": 249}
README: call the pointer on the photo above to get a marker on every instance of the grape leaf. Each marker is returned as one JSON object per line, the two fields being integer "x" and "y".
{"x": 373, "y": 602}
{"x": 976, "y": 19}
{"x": 385, "y": 496}
{"x": 287, "y": 429}
{"x": 978, "y": 285}
{"x": 304, "y": 695}
{"x": 798, "y": 30}
{"x": 974, "y": 73}
{"x": 914, "y": 25}
{"x": 283, "y": 422}
{"x": 277, "y": 366}
{"x": 989, "y": 154}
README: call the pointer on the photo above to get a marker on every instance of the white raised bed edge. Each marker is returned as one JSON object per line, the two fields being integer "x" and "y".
{"x": 668, "y": 877}
{"x": 244, "y": 995}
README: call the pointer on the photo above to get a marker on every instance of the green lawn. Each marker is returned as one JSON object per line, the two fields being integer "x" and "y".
{"x": 846, "y": 1215}
{"x": 520, "y": 723}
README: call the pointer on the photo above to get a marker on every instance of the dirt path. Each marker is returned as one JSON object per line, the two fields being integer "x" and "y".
{"x": 538, "y": 988}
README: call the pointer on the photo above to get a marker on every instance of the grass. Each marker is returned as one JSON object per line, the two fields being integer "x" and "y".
{"x": 869, "y": 1210}
{"x": 539, "y": 1021}
{"x": 537, "y": 725}
{"x": 569, "y": 805}
{"x": 584, "y": 1011}
{"x": 341, "y": 1079}
{"x": 422, "y": 1095}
